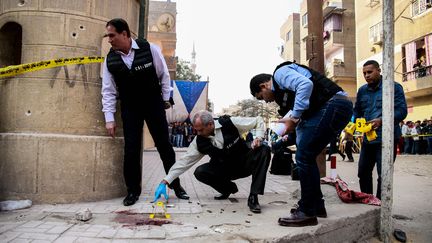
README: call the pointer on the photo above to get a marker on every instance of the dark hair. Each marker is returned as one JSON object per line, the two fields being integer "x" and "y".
{"x": 371, "y": 62}
{"x": 256, "y": 81}
{"x": 120, "y": 25}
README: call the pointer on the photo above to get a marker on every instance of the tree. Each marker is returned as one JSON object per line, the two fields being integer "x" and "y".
{"x": 253, "y": 107}
{"x": 184, "y": 72}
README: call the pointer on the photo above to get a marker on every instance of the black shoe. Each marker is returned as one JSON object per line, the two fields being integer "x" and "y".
{"x": 130, "y": 199}
{"x": 253, "y": 203}
{"x": 222, "y": 196}
{"x": 181, "y": 193}
{"x": 350, "y": 160}
{"x": 343, "y": 157}
{"x": 298, "y": 219}
{"x": 321, "y": 213}
{"x": 225, "y": 195}
{"x": 399, "y": 235}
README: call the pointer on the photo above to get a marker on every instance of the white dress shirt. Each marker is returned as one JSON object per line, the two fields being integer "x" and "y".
{"x": 192, "y": 156}
{"x": 109, "y": 91}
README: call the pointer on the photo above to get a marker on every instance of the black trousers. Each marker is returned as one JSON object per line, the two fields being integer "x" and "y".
{"x": 153, "y": 113}
{"x": 348, "y": 149}
{"x": 220, "y": 175}
{"x": 370, "y": 155}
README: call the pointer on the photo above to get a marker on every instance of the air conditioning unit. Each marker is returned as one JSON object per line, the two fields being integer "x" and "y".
{"x": 338, "y": 61}
{"x": 377, "y": 40}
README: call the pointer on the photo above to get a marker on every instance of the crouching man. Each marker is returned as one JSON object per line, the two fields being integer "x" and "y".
{"x": 230, "y": 157}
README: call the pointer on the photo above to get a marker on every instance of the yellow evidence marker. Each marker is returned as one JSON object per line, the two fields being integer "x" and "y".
{"x": 364, "y": 127}
{"x": 159, "y": 211}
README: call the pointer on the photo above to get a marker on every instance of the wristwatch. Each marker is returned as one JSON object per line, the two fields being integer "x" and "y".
{"x": 296, "y": 120}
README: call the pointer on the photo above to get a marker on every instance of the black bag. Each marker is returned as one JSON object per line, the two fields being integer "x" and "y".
{"x": 281, "y": 162}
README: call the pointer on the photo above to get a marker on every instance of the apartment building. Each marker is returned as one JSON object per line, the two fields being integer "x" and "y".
{"x": 290, "y": 33}
{"x": 339, "y": 41}
{"x": 413, "y": 48}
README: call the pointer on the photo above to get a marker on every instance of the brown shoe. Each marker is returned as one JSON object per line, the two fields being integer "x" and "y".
{"x": 298, "y": 219}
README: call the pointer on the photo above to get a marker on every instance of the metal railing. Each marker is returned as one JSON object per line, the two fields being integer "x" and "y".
{"x": 418, "y": 72}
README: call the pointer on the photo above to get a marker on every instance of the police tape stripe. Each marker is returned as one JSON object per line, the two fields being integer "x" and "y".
{"x": 35, "y": 66}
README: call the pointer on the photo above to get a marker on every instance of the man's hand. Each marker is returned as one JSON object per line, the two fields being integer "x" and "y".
{"x": 256, "y": 142}
{"x": 289, "y": 124}
{"x": 376, "y": 123}
{"x": 111, "y": 127}
{"x": 167, "y": 104}
{"x": 161, "y": 190}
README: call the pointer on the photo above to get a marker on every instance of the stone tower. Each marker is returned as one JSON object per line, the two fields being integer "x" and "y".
{"x": 193, "y": 63}
{"x": 53, "y": 141}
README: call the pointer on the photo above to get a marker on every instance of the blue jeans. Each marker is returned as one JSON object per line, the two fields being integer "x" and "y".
{"x": 179, "y": 140}
{"x": 313, "y": 135}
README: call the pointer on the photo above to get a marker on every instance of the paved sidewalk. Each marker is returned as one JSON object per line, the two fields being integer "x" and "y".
{"x": 199, "y": 219}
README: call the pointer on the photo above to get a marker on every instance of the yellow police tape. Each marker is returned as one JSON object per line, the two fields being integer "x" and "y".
{"x": 35, "y": 66}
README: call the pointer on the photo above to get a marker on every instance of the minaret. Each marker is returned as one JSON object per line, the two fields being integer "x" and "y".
{"x": 193, "y": 62}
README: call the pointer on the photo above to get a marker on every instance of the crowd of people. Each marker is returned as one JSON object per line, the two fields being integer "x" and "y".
{"x": 181, "y": 134}
{"x": 416, "y": 137}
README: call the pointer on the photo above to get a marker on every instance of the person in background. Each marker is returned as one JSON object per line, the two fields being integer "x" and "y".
{"x": 369, "y": 106}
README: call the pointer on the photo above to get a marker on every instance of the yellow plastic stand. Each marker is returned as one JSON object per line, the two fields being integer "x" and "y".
{"x": 159, "y": 211}
{"x": 350, "y": 128}
{"x": 364, "y": 127}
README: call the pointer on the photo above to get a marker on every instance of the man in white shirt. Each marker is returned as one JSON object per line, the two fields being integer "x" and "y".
{"x": 230, "y": 157}
{"x": 135, "y": 72}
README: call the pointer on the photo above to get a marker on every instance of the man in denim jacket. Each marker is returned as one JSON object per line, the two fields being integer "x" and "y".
{"x": 369, "y": 106}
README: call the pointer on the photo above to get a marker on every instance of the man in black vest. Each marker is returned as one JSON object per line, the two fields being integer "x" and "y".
{"x": 137, "y": 72}
{"x": 230, "y": 157}
{"x": 317, "y": 109}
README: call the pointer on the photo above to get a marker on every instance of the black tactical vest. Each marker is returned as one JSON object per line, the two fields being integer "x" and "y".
{"x": 234, "y": 148}
{"x": 323, "y": 90}
{"x": 138, "y": 83}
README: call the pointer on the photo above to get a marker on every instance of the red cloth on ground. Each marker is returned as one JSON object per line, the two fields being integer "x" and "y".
{"x": 350, "y": 196}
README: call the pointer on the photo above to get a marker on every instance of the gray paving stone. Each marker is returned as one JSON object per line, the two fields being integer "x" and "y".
{"x": 38, "y": 236}
{"x": 66, "y": 239}
{"x": 8, "y": 236}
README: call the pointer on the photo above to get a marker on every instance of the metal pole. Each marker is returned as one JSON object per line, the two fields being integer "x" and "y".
{"x": 143, "y": 15}
{"x": 386, "y": 224}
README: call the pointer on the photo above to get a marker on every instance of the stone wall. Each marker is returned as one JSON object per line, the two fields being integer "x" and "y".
{"x": 53, "y": 141}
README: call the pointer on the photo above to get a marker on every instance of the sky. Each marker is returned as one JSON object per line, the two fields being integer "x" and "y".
{"x": 234, "y": 40}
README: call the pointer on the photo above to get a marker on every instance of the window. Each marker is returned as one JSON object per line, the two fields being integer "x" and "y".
{"x": 305, "y": 20}
{"x": 375, "y": 33}
{"x": 10, "y": 44}
{"x": 333, "y": 23}
{"x": 288, "y": 35}
{"x": 420, "y": 6}
{"x": 417, "y": 58}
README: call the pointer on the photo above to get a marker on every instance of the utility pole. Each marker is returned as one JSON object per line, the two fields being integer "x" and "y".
{"x": 315, "y": 55}
{"x": 143, "y": 18}
{"x": 386, "y": 223}
{"x": 315, "y": 42}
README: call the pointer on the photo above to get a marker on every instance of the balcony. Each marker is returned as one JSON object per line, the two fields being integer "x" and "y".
{"x": 336, "y": 69}
{"x": 332, "y": 6}
{"x": 333, "y": 40}
{"x": 418, "y": 82}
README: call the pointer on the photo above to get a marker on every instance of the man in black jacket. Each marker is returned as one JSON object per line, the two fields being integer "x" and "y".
{"x": 317, "y": 109}
{"x": 136, "y": 72}
{"x": 230, "y": 157}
